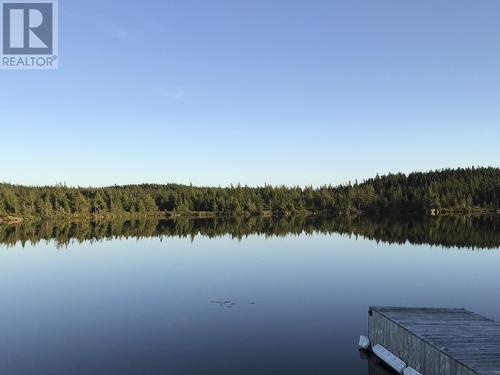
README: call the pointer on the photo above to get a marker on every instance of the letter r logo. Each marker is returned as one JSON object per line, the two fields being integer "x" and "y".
{"x": 27, "y": 28}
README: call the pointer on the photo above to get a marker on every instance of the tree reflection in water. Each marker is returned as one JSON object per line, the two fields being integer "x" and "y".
{"x": 453, "y": 231}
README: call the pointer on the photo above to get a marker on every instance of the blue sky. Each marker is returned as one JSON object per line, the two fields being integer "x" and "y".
{"x": 253, "y": 92}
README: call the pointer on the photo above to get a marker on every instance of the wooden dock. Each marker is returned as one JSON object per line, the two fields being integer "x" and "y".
{"x": 438, "y": 341}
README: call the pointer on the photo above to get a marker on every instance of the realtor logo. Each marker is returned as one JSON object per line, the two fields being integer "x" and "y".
{"x": 29, "y": 34}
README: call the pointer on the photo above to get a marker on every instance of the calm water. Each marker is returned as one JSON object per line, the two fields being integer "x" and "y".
{"x": 257, "y": 296}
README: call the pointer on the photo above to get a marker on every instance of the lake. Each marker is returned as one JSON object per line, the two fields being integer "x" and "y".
{"x": 240, "y": 296}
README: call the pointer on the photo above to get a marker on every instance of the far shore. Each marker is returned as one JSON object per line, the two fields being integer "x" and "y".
{"x": 10, "y": 220}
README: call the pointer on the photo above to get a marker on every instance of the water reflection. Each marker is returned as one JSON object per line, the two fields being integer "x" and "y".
{"x": 470, "y": 232}
{"x": 283, "y": 302}
{"x": 375, "y": 367}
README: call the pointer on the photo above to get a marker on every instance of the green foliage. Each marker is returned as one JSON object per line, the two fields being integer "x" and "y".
{"x": 470, "y": 189}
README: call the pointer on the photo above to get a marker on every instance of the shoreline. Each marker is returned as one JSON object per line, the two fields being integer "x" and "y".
{"x": 12, "y": 220}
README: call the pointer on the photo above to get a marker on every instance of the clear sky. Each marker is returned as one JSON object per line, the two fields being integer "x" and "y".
{"x": 264, "y": 91}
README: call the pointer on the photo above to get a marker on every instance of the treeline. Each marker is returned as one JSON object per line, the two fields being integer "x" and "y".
{"x": 453, "y": 231}
{"x": 457, "y": 190}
